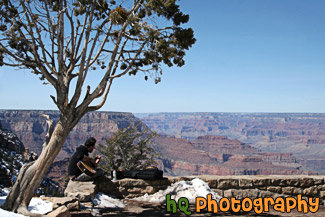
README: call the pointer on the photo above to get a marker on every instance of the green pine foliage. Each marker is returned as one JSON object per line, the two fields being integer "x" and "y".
{"x": 128, "y": 149}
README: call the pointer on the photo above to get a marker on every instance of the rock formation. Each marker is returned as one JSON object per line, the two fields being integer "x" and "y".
{"x": 205, "y": 154}
{"x": 12, "y": 156}
{"x": 302, "y": 134}
{"x": 11, "y": 159}
{"x": 31, "y": 128}
{"x": 218, "y": 155}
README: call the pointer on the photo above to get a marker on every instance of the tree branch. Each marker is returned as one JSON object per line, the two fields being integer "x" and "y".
{"x": 49, "y": 121}
{"x": 73, "y": 41}
{"x": 83, "y": 71}
{"x": 130, "y": 65}
{"x": 39, "y": 63}
{"x": 102, "y": 45}
{"x": 81, "y": 35}
{"x": 52, "y": 33}
{"x": 39, "y": 39}
{"x": 94, "y": 108}
{"x": 83, "y": 107}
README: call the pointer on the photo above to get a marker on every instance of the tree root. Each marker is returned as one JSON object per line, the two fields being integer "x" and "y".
{"x": 24, "y": 211}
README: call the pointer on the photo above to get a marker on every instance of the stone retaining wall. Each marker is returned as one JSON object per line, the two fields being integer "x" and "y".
{"x": 130, "y": 188}
{"x": 235, "y": 186}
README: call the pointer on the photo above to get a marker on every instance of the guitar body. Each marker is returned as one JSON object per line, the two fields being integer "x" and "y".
{"x": 87, "y": 169}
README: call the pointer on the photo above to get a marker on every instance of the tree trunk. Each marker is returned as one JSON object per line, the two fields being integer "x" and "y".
{"x": 31, "y": 174}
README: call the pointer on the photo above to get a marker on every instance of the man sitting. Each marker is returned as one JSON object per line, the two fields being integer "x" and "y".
{"x": 82, "y": 154}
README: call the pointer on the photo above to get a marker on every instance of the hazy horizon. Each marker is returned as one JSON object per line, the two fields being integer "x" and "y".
{"x": 178, "y": 112}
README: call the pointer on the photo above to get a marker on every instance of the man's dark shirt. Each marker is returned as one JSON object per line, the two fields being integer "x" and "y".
{"x": 77, "y": 156}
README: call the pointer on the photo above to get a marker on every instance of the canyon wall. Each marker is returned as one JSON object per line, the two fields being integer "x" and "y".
{"x": 31, "y": 128}
{"x": 302, "y": 134}
{"x": 218, "y": 155}
{"x": 11, "y": 150}
{"x": 207, "y": 154}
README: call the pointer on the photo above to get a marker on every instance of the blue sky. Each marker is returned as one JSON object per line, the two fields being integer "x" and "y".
{"x": 250, "y": 56}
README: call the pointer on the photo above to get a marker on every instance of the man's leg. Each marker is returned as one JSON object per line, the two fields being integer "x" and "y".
{"x": 99, "y": 172}
{"x": 83, "y": 178}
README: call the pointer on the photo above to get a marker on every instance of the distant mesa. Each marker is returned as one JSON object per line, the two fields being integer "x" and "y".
{"x": 301, "y": 134}
{"x": 218, "y": 155}
{"x": 195, "y": 143}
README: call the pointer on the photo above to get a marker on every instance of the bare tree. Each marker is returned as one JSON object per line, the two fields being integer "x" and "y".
{"x": 63, "y": 41}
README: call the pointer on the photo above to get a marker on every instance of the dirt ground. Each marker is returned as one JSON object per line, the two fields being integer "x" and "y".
{"x": 149, "y": 209}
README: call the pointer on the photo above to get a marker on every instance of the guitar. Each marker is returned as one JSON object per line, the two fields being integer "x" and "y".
{"x": 85, "y": 168}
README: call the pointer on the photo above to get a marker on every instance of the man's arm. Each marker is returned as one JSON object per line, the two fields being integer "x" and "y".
{"x": 97, "y": 159}
{"x": 89, "y": 160}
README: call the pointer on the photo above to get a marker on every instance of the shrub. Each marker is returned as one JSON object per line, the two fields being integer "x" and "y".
{"x": 128, "y": 149}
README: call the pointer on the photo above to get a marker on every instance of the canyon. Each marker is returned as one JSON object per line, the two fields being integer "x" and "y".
{"x": 31, "y": 127}
{"x": 191, "y": 144}
{"x": 300, "y": 134}
{"x": 218, "y": 155}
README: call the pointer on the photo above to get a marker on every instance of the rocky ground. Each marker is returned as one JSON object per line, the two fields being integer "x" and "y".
{"x": 149, "y": 209}
{"x": 153, "y": 208}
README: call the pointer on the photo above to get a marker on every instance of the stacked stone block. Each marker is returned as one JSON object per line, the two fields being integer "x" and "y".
{"x": 226, "y": 186}
{"x": 236, "y": 186}
{"x": 267, "y": 186}
{"x": 130, "y": 188}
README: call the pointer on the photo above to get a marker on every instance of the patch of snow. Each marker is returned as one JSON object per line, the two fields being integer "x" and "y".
{"x": 104, "y": 201}
{"x": 4, "y": 213}
{"x": 86, "y": 206}
{"x": 188, "y": 189}
{"x": 4, "y": 191}
{"x": 37, "y": 205}
{"x": 95, "y": 212}
{"x": 2, "y": 200}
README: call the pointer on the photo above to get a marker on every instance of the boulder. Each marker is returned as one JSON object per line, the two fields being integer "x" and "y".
{"x": 70, "y": 202}
{"x": 74, "y": 206}
{"x": 62, "y": 211}
{"x": 83, "y": 191}
{"x": 106, "y": 186}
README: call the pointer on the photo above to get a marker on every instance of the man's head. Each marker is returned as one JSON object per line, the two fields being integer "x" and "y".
{"x": 90, "y": 144}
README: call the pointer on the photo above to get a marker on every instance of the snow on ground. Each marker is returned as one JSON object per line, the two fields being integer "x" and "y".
{"x": 2, "y": 200}
{"x": 4, "y": 213}
{"x": 188, "y": 189}
{"x": 103, "y": 201}
{"x": 4, "y": 191}
{"x": 36, "y": 205}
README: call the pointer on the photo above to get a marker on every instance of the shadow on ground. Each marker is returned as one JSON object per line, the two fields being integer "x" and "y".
{"x": 148, "y": 209}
